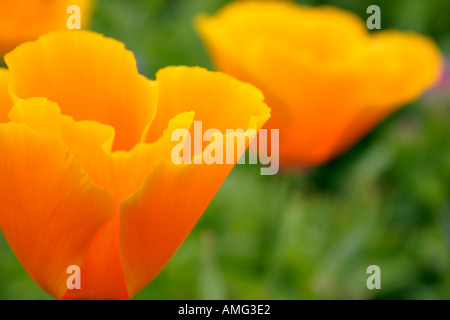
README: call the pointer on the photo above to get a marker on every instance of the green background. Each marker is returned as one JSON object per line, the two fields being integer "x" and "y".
{"x": 313, "y": 233}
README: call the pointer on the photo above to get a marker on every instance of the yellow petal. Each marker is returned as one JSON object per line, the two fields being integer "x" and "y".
{"x": 315, "y": 31}
{"x": 90, "y": 77}
{"x": 218, "y": 100}
{"x": 400, "y": 66}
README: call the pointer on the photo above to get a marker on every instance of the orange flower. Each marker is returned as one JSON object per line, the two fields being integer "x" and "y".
{"x": 87, "y": 175}
{"x": 23, "y": 20}
{"x": 327, "y": 80}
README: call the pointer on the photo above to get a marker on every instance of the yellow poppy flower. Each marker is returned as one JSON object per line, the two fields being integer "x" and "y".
{"x": 327, "y": 80}
{"x": 23, "y": 20}
{"x": 87, "y": 175}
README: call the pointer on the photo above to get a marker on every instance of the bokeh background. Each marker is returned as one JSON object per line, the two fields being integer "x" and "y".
{"x": 309, "y": 234}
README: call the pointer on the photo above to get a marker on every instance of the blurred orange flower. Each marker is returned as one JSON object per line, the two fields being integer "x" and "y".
{"x": 327, "y": 80}
{"x": 87, "y": 175}
{"x": 23, "y": 20}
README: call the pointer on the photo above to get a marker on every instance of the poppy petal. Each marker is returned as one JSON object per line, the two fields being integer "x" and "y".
{"x": 318, "y": 30}
{"x": 398, "y": 74}
{"x": 23, "y": 20}
{"x": 150, "y": 220}
{"x": 401, "y": 65}
{"x": 102, "y": 270}
{"x": 218, "y": 100}
{"x": 90, "y": 77}
{"x": 314, "y": 119}
{"x": 133, "y": 167}
{"x": 129, "y": 170}
{"x": 89, "y": 141}
{"x": 5, "y": 99}
{"x": 50, "y": 209}
{"x": 154, "y": 224}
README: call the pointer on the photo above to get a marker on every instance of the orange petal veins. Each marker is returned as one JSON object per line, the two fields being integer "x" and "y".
{"x": 23, "y": 20}
{"x": 5, "y": 99}
{"x": 102, "y": 86}
{"x": 50, "y": 210}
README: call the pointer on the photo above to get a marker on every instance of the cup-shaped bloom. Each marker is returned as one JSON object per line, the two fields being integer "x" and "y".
{"x": 86, "y": 166}
{"x": 23, "y": 20}
{"x": 327, "y": 79}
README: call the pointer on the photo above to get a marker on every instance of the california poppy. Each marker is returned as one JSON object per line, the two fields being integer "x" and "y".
{"x": 23, "y": 20}
{"x": 327, "y": 80}
{"x": 85, "y": 160}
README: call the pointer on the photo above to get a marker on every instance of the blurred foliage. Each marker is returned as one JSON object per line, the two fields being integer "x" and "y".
{"x": 309, "y": 234}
